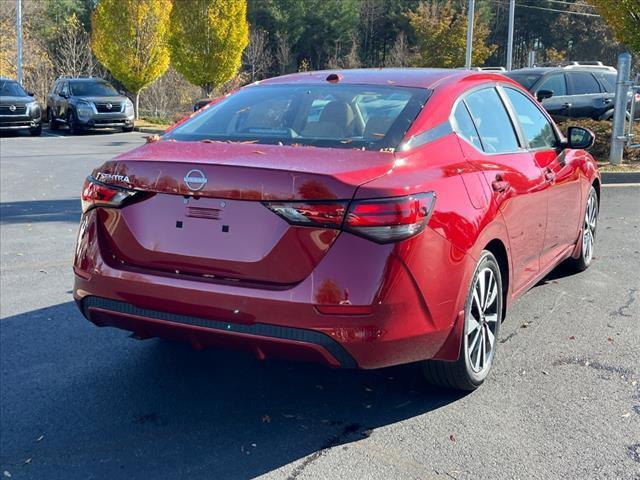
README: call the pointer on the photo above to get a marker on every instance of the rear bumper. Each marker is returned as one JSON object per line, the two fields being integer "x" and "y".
{"x": 375, "y": 312}
{"x": 265, "y": 340}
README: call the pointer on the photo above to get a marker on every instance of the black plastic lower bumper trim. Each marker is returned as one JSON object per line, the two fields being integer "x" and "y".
{"x": 258, "y": 329}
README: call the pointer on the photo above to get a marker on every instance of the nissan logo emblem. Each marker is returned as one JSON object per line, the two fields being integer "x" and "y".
{"x": 109, "y": 106}
{"x": 12, "y": 108}
{"x": 195, "y": 180}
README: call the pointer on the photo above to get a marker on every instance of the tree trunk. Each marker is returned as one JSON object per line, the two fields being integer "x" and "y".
{"x": 137, "y": 104}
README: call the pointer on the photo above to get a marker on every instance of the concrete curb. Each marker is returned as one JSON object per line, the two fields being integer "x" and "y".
{"x": 151, "y": 130}
{"x": 612, "y": 178}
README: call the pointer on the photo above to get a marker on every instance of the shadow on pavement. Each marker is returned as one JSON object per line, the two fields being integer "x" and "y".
{"x": 34, "y": 211}
{"x": 113, "y": 407}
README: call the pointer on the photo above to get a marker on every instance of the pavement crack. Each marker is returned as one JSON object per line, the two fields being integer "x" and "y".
{"x": 335, "y": 440}
{"x": 584, "y": 362}
{"x": 633, "y": 294}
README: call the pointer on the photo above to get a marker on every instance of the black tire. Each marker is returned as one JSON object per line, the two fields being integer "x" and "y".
{"x": 36, "y": 132}
{"x": 127, "y": 129}
{"x": 72, "y": 122}
{"x": 587, "y": 234}
{"x": 463, "y": 374}
{"x": 53, "y": 124}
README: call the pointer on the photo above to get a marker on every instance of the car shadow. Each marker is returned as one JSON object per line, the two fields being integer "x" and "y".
{"x": 103, "y": 403}
{"x": 34, "y": 211}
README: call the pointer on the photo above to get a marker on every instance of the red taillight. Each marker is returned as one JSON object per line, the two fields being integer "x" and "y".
{"x": 390, "y": 219}
{"x": 325, "y": 214}
{"x": 382, "y": 220}
{"x": 98, "y": 194}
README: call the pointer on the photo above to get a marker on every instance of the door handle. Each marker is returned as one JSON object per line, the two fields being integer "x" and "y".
{"x": 566, "y": 105}
{"x": 550, "y": 175}
{"x": 499, "y": 185}
{"x": 607, "y": 101}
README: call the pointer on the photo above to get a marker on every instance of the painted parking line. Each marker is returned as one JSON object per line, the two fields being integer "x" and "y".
{"x": 615, "y": 185}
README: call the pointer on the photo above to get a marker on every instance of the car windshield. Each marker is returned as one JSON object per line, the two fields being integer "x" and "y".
{"x": 85, "y": 89}
{"x": 11, "y": 89}
{"x": 343, "y": 116}
{"x": 527, "y": 80}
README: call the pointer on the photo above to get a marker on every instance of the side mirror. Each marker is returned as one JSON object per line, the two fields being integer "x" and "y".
{"x": 31, "y": 94}
{"x": 122, "y": 92}
{"x": 542, "y": 94}
{"x": 580, "y": 138}
{"x": 64, "y": 94}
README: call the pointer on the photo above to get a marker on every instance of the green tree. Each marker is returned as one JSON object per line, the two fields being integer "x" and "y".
{"x": 441, "y": 30}
{"x": 207, "y": 40}
{"x": 129, "y": 39}
{"x": 623, "y": 16}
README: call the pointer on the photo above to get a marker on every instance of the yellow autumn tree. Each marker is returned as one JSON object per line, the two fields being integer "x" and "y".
{"x": 441, "y": 34}
{"x": 130, "y": 40}
{"x": 207, "y": 40}
{"x": 623, "y": 17}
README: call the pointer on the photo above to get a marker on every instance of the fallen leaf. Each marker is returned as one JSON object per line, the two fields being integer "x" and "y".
{"x": 40, "y": 438}
{"x": 572, "y": 337}
{"x": 20, "y": 255}
{"x": 27, "y": 461}
{"x": 452, "y": 437}
{"x": 626, "y": 414}
{"x": 609, "y": 339}
{"x": 544, "y": 372}
{"x": 266, "y": 419}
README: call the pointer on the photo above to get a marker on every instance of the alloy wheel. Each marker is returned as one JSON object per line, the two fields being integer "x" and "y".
{"x": 589, "y": 228}
{"x": 482, "y": 322}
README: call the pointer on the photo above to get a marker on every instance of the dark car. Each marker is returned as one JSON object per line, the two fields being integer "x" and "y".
{"x": 83, "y": 103}
{"x": 361, "y": 218}
{"x": 572, "y": 91}
{"x": 18, "y": 109}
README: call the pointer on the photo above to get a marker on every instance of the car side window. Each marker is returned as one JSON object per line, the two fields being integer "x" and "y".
{"x": 492, "y": 121}
{"x": 607, "y": 80}
{"x": 537, "y": 130}
{"x": 556, "y": 83}
{"x": 581, "y": 83}
{"x": 65, "y": 88}
{"x": 464, "y": 125}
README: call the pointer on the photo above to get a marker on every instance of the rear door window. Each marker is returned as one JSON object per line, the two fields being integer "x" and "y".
{"x": 607, "y": 80}
{"x": 464, "y": 126}
{"x": 582, "y": 83}
{"x": 492, "y": 121}
{"x": 535, "y": 126}
{"x": 555, "y": 83}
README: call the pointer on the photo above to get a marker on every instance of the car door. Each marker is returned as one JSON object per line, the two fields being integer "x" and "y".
{"x": 517, "y": 182}
{"x": 559, "y": 104}
{"x": 51, "y": 98}
{"x": 607, "y": 81}
{"x": 586, "y": 97}
{"x": 562, "y": 177}
{"x": 63, "y": 100}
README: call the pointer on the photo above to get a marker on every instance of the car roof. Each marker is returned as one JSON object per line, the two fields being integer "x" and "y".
{"x": 543, "y": 70}
{"x": 402, "y": 77}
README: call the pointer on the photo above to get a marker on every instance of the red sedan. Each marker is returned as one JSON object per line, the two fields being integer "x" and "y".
{"x": 361, "y": 218}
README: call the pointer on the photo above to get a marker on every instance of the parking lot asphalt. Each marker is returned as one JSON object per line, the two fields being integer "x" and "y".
{"x": 77, "y": 401}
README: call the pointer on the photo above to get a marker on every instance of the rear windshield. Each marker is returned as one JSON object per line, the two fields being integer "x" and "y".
{"x": 11, "y": 89}
{"x": 85, "y": 89}
{"x": 527, "y": 80}
{"x": 343, "y": 116}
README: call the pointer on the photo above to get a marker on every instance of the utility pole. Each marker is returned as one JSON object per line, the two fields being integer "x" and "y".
{"x": 470, "y": 17}
{"x": 19, "y": 37}
{"x": 512, "y": 11}
{"x": 618, "y": 138}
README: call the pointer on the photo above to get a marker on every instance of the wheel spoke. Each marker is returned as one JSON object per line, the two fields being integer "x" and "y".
{"x": 482, "y": 287}
{"x": 491, "y": 337}
{"x": 475, "y": 340}
{"x": 476, "y": 300}
{"x": 492, "y": 318}
{"x": 473, "y": 324}
{"x": 484, "y": 347}
{"x": 476, "y": 365}
{"x": 489, "y": 292}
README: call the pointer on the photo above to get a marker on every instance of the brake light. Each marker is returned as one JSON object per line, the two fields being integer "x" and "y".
{"x": 382, "y": 220}
{"x": 96, "y": 194}
{"x": 326, "y": 214}
{"x": 390, "y": 219}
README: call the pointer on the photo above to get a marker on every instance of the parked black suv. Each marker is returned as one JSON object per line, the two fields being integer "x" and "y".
{"x": 572, "y": 91}
{"x": 18, "y": 109}
{"x": 82, "y": 103}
